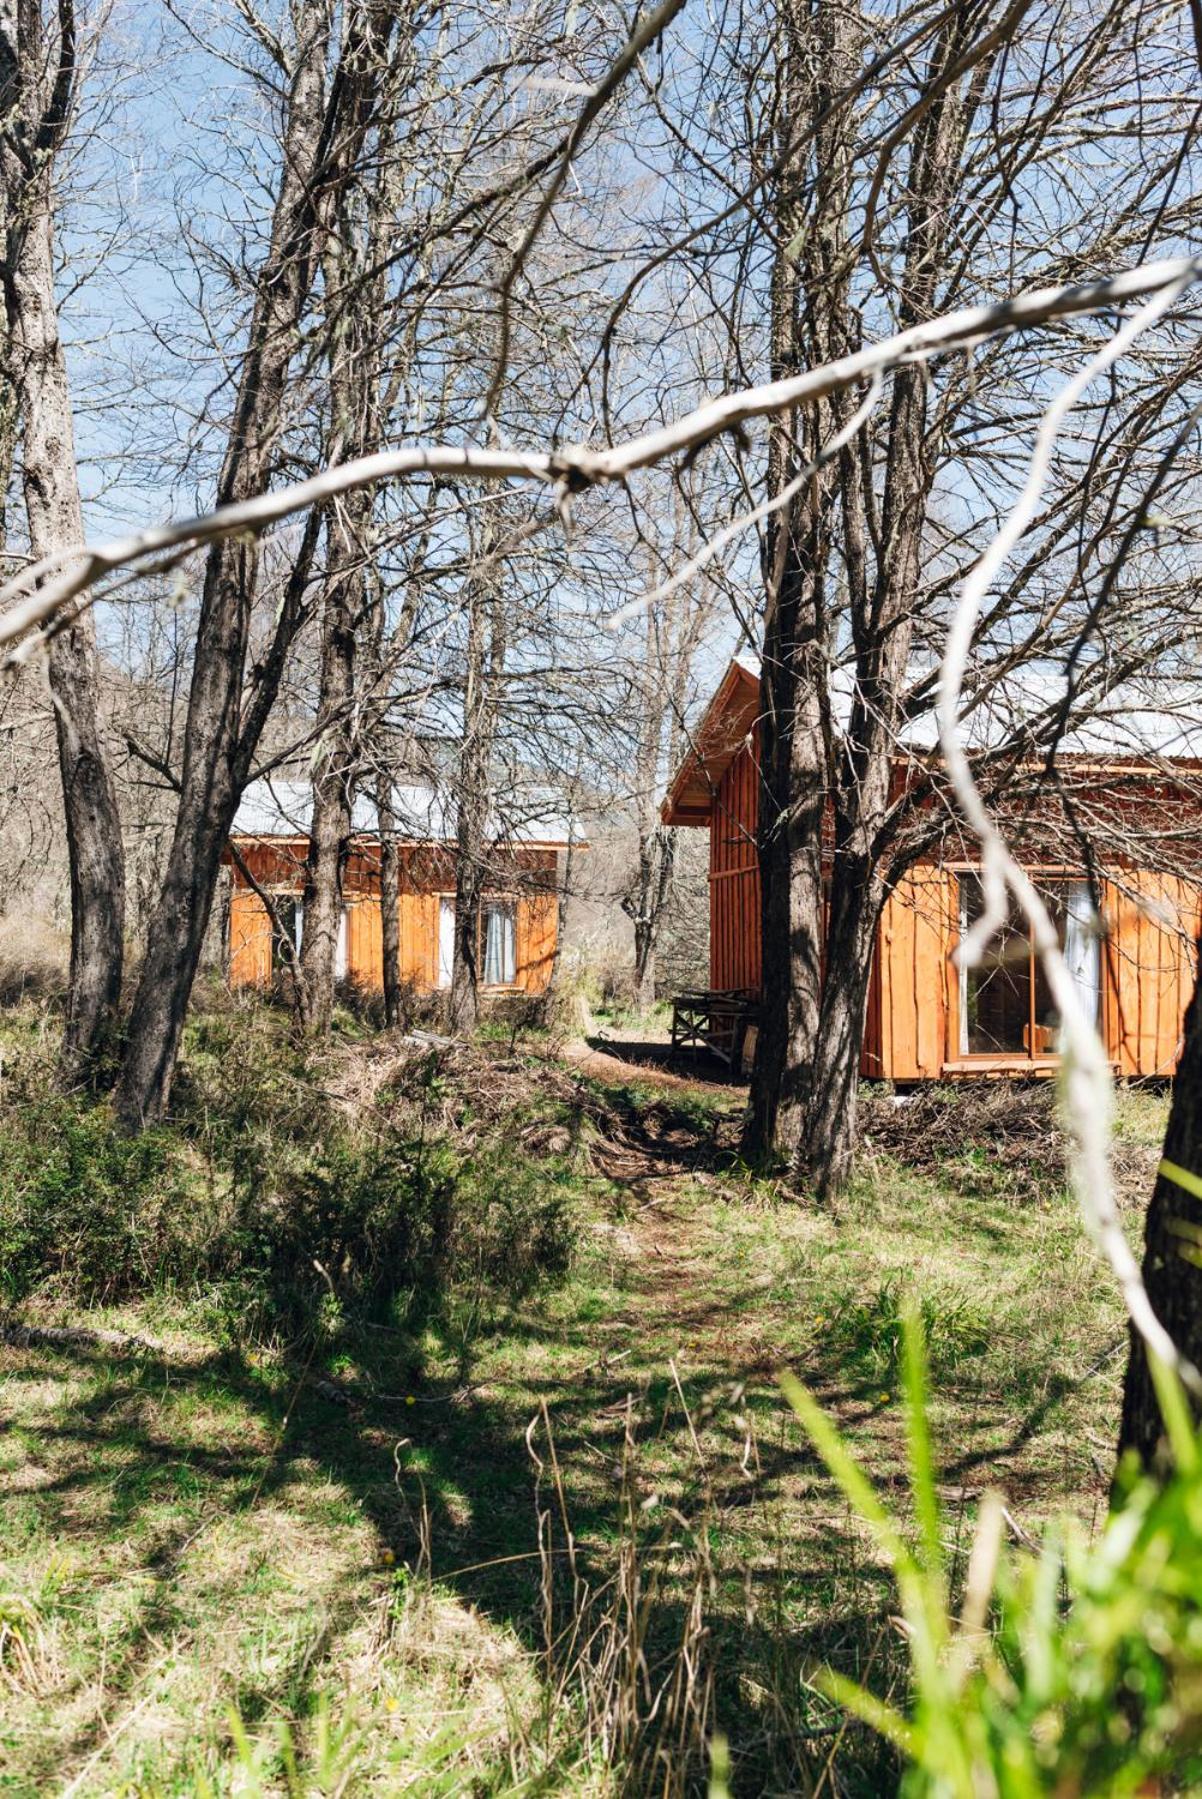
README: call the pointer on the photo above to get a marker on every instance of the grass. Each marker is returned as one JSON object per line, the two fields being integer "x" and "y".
{"x": 217, "y": 1556}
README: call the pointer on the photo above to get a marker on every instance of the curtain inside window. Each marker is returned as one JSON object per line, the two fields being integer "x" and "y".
{"x": 1082, "y": 948}
{"x": 446, "y": 940}
{"x": 500, "y": 945}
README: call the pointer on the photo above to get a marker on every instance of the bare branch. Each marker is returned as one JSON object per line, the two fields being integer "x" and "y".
{"x": 1088, "y": 1082}
{"x": 574, "y": 467}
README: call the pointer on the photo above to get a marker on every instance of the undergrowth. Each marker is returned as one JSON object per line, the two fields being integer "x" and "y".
{"x": 525, "y": 1513}
{"x": 272, "y": 1191}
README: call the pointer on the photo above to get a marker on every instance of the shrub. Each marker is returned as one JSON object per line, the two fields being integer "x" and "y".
{"x": 284, "y": 1205}
{"x": 96, "y": 1213}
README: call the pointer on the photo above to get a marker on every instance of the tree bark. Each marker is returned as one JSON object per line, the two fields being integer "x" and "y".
{"x": 337, "y": 766}
{"x": 882, "y": 618}
{"x": 485, "y": 653}
{"x": 37, "y": 381}
{"x": 222, "y": 729}
{"x": 390, "y": 904}
{"x": 1172, "y": 1273}
{"x": 354, "y": 380}
{"x": 792, "y": 746}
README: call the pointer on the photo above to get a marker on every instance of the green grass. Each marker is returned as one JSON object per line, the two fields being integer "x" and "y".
{"x": 218, "y": 1567}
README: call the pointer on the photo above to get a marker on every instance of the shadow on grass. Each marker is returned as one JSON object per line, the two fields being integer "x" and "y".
{"x": 657, "y": 1057}
{"x": 455, "y": 1471}
{"x": 739, "y": 1521}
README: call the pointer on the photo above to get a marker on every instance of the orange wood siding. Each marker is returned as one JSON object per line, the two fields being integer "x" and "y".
{"x": 250, "y": 940}
{"x": 735, "y": 876}
{"x": 537, "y": 929}
{"x": 426, "y": 872}
{"x": 1148, "y": 961}
{"x": 910, "y": 998}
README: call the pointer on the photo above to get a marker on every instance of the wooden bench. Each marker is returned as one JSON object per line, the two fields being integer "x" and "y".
{"x": 715, "y": 1023}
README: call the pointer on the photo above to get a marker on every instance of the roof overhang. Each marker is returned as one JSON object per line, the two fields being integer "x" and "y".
{"x": 724, "y": 729}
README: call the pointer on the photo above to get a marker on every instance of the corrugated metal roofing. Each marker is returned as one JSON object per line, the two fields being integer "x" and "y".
{"x": 283, "y": 808}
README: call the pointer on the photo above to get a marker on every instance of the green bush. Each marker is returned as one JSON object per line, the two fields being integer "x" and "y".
{"x": 97, "y": 1213}
{"x": 281, "y": 1205}
{"x": 1074, "y": 1672}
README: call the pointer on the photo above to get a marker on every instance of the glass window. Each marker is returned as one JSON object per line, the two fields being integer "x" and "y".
{"x": 446, "y": 939}
{"x": 288, "y": 913}
{"x": 1006, "y": 1007}
{"x": 498, "y": 933}
{"x": 291, "y": 915}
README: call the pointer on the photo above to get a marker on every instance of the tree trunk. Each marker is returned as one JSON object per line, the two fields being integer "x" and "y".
{"x": 827, "y": 1153}
{"x": 792, "y": 748}
{"x": 789, "y": 846}
{"x": 645, "y": 904}
{"x": 644, "y": 965}
{"x": 354, "y": 378}
{"x": 334, "y": 776}
{"x": 473, "y": 795}
{"x": 1172, "y": 1273}
{"x": 883, "y": 628}
{"x": 390, "y": 904}
{"x": 218, "y": 742}
{"x": 36, "y": 384}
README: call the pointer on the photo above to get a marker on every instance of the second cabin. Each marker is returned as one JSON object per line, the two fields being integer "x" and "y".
{"x": 518, "y": 919}
{"x": 926, "y": 1020}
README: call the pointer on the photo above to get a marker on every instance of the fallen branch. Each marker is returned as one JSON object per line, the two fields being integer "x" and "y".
{"x": 48, "y": 1336}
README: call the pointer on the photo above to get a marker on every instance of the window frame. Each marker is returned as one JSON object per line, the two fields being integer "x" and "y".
{"x": 509, "y": 901}
{"x": 959, "y": 1052}
{"x": 513, "y": 901}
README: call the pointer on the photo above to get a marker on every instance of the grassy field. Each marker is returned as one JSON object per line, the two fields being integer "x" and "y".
{"x": 551, "y": 1545}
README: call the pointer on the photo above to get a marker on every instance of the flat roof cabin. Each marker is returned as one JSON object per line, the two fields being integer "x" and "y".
{"x": 925, "y": 1020}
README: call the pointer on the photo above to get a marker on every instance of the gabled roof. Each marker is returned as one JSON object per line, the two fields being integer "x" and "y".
{"x": 284, "y": 808}
{"x": 1143, "y": 725}
{"x": 724, "y": 728}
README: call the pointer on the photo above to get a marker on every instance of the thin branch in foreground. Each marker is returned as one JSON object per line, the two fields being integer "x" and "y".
{"x": 573, "y": 468}
{"x": 1088, "y": 1081}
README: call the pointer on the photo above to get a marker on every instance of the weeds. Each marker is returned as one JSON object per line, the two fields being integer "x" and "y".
{"x": 1076, "y": 1670}
{"x": 868, "y": 1330}
{"x": 674, "y": 1566}
{"x": 287, "y": 1209}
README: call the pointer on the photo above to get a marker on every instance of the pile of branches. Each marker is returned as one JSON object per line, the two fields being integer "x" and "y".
{"x": 998, "y": 1138}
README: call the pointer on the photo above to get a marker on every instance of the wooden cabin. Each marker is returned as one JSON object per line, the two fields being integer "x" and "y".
{"x": 926, "y": 1020}
{"x": 519, "y": 911}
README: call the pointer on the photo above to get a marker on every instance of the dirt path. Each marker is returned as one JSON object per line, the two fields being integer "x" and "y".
{"x": 604, "y": 1066}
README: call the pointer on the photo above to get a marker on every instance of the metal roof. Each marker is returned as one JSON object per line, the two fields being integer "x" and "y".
{"x": 424, "y": 814}
{"x": 1156, "y": 718}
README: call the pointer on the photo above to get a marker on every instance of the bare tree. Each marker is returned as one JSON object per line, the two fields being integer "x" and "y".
{"x": 862, "y": 548}
{"x": 672, "y": 632}
{"x": 484, "y": 662}
{"x": 327, "y": 115}
{"x": 38, "y": 75}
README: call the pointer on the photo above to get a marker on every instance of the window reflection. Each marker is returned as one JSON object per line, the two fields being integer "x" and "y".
{"x": 1005, "y": 1003}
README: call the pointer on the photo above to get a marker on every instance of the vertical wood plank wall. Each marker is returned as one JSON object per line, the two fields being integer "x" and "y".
{"x": 1148, "y": 963}
{"x": 426, "y": 874}
{"x": 912, "y": 1023}
{"x": 907, "y": 1028}
{"x": 735, "y": 876}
